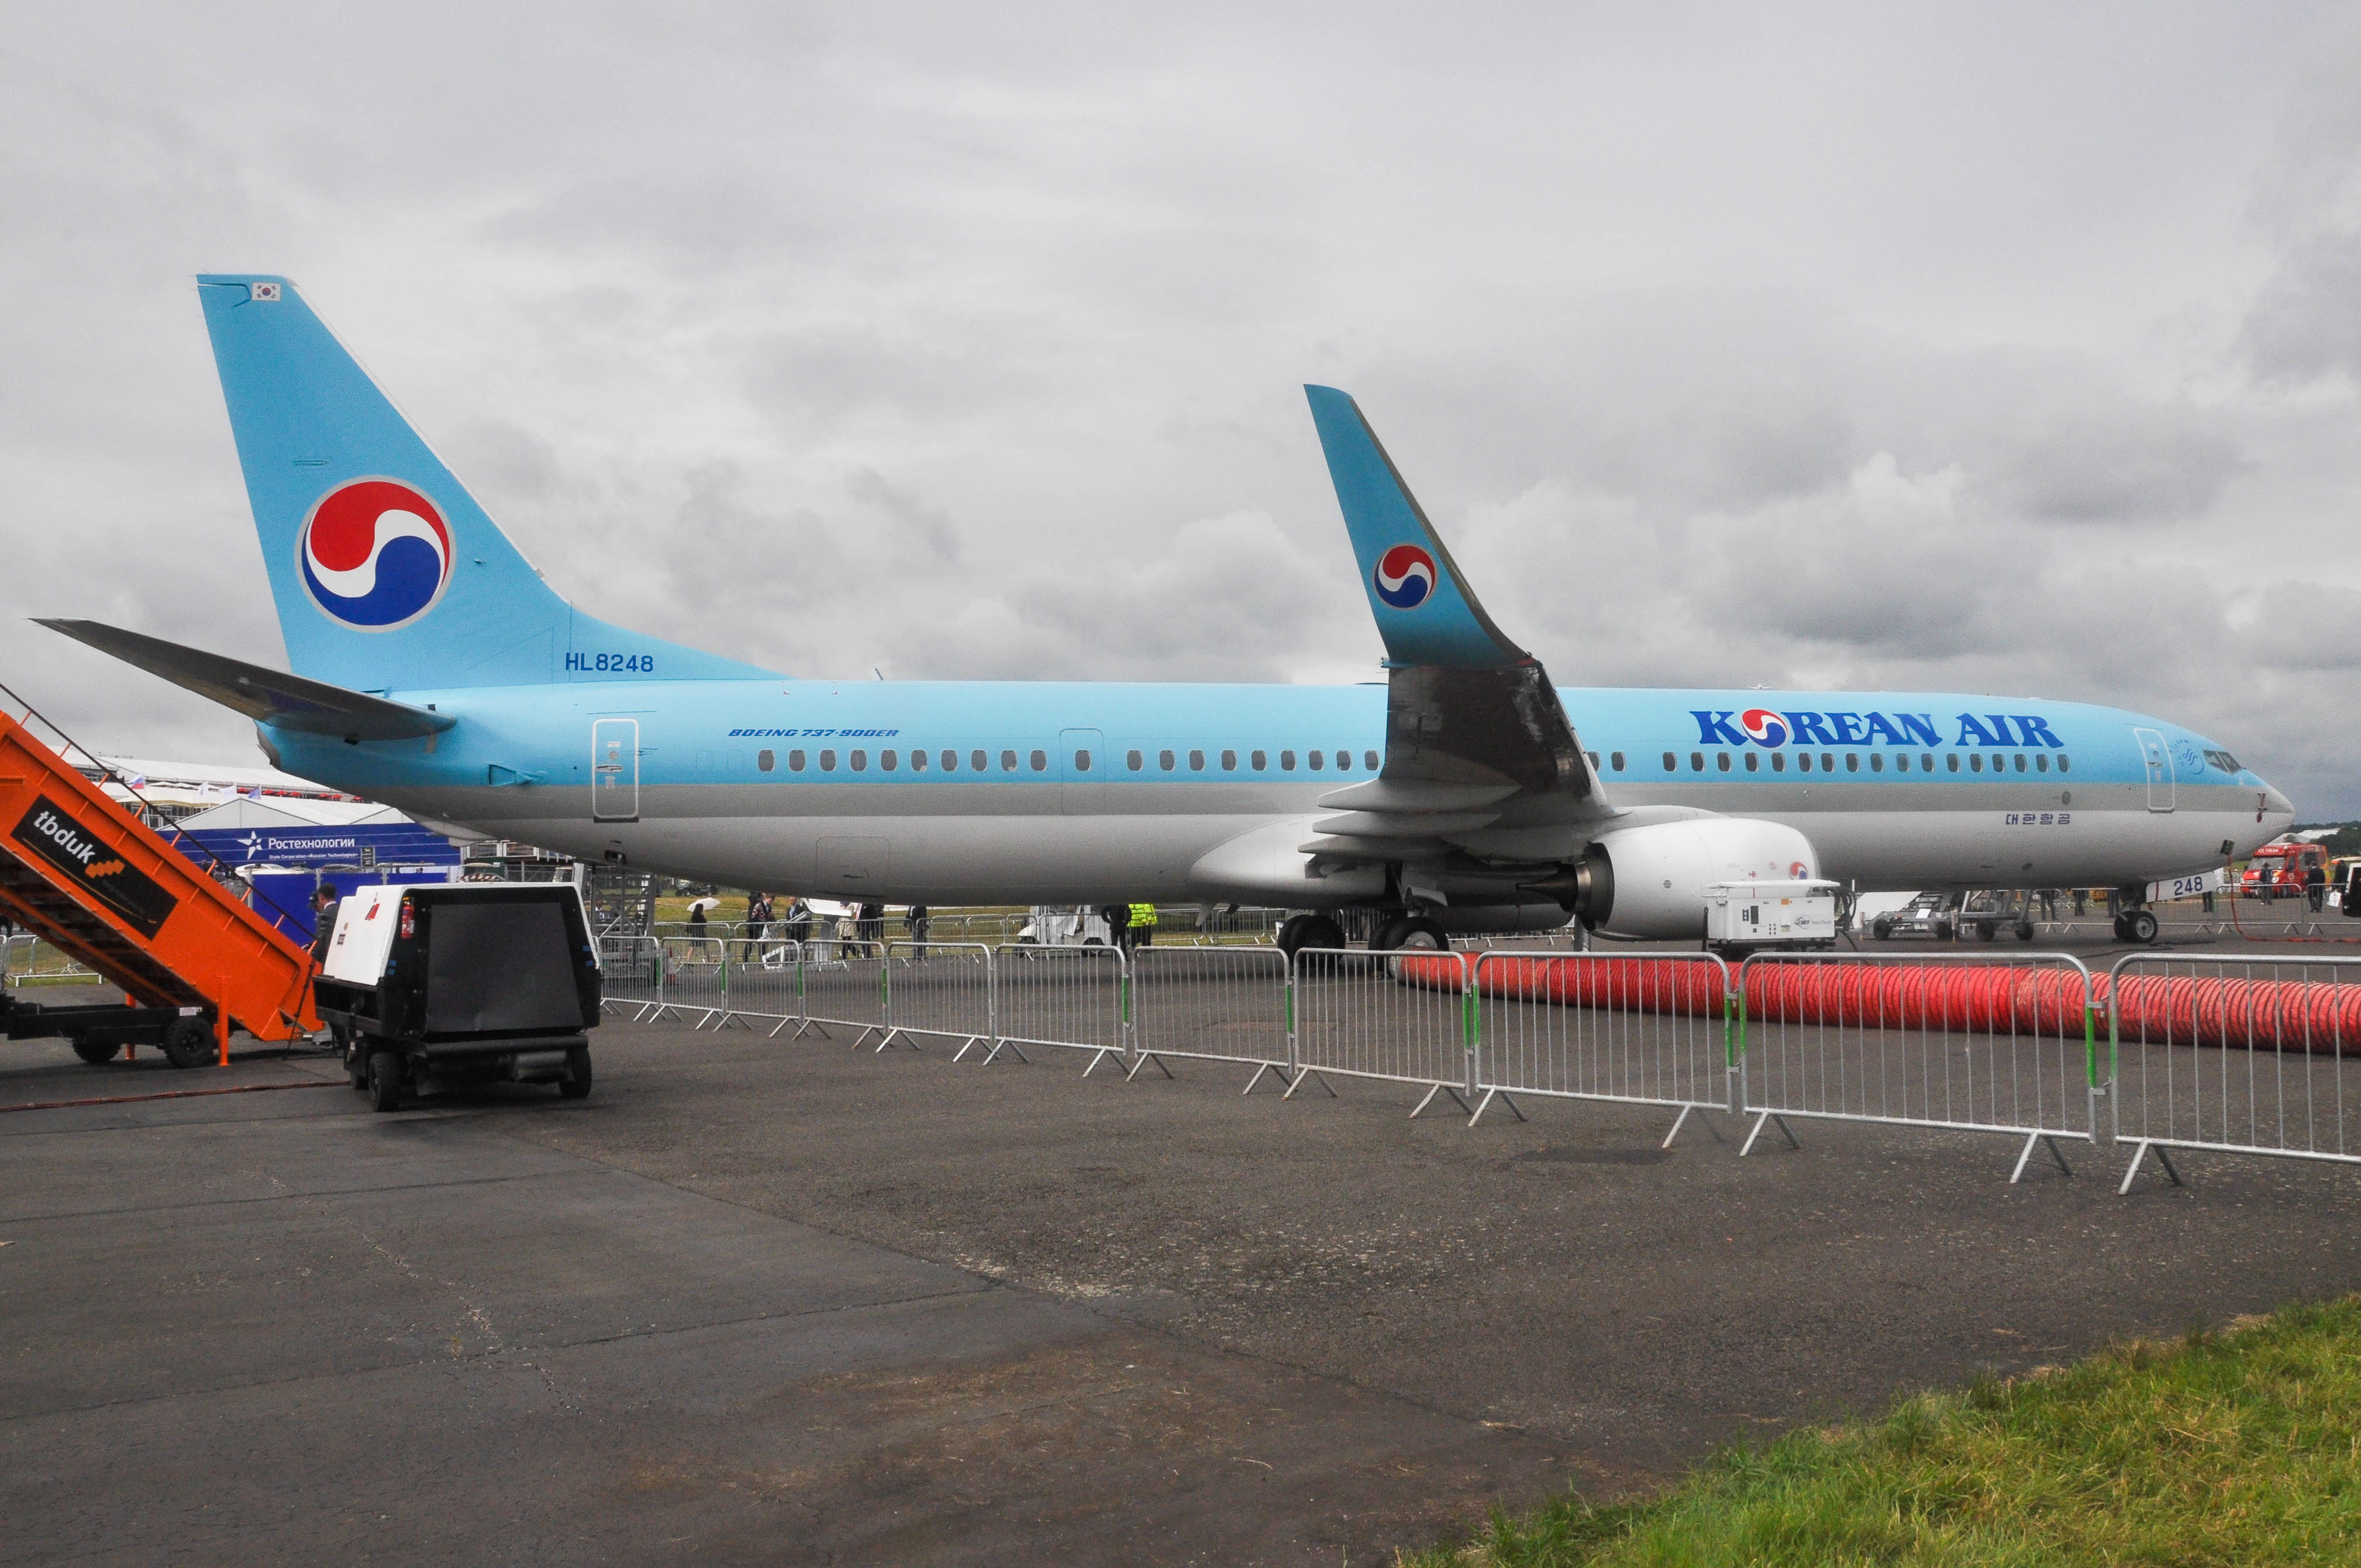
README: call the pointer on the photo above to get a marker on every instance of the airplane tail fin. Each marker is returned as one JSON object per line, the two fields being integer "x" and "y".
{"x": 386, "y": 572}
{"x": 1426, "y": 612}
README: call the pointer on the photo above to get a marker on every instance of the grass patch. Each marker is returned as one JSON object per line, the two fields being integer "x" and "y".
{"x": 2237, "y": 1447}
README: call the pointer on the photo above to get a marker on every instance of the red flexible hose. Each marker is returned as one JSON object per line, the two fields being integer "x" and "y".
{"x": 2256, "y": 1014}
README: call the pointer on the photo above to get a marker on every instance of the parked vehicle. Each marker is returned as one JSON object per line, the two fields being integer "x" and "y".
{"x": 1935, "y": 915}
{"x": 1988, "y": 913}
{"x": 2277, "y": 871}
{"x": 1052, "y": 925}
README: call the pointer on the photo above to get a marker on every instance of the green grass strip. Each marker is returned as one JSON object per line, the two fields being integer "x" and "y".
{"x": 2237, "y": 1447}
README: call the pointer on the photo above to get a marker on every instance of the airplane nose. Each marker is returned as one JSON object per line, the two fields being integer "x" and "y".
{"x": 2277, "y": 804}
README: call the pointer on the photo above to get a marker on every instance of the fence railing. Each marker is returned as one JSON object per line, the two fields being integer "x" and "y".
{"x": 2244, "y": 1054}
{"x": 1976, "y": 1044}
{"x": 1659, "y": 1030}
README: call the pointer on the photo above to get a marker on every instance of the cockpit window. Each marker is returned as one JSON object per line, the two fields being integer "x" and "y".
{"x": 2223, "y": 761}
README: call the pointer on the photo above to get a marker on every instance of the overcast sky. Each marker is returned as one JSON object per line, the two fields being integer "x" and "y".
{"x": 1998, "y": 348}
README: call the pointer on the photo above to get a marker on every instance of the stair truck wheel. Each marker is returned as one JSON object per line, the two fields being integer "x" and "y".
{"x": 385, "y": 1080}
{"x": 95, "y": 1054}
{"x": 576, "y": 1082}
{"x": 189, "y": 1042}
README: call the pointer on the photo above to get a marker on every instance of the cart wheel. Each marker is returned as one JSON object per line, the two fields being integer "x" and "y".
{"x": 2024, "y": 930}
{"x": 576, "y": 1082}
{"x": 95, "y": 1054}
{"x": 189, "y": 1042}
{"x": 385, "y": 1080}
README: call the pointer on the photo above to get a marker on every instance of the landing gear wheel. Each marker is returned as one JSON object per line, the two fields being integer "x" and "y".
{"x": 2121, "y": 935}
{"x": 576, "y": 1082}
{"x": 385, "y": 1080}
{"x": 1409, "y": 931}
{"x": 1301, "y": 931}
{"x": 189, "y": 1042}
{"x": 95, "y": 1054}
{"x": 2140, "y": 926}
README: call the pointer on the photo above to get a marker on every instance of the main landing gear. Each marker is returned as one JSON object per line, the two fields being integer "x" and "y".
{"x": 1409, "y": 931}
{"x": 2135, "y": 926}
{"x": 1317, "y": 932}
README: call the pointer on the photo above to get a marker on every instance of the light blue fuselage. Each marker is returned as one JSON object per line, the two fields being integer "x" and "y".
{"x": 1091, "y": 809}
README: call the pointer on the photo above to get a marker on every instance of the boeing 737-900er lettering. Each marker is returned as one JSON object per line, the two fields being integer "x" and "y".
{"x": 434, "y": 670}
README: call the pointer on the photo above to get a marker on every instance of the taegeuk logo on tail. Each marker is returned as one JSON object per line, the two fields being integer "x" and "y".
{"x": 374, "y": 554}
{"x": 1405, "y": 577}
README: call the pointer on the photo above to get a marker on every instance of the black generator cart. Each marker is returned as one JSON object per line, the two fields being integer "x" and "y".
{"x": 431, "y": 985}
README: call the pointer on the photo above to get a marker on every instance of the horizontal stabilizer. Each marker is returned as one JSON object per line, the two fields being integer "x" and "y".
{"x": 267, "y": 696}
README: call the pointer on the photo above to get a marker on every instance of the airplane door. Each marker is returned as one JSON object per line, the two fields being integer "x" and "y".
{"x": 1082, "y": 763}
{"x": 2157, "y": 758}
{"x": 614, "y": 769}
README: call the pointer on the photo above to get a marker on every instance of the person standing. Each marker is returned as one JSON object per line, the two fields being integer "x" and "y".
{"x": 758, "y": 920}
{"x": 1143, "y": 924}
{"x": 914, "y": 920}
{"x": 2315, "y": 884}
{"x": 872, "y": 930}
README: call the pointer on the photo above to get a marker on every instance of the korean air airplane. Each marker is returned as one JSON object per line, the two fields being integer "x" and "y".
{"x": 434, "y": 670}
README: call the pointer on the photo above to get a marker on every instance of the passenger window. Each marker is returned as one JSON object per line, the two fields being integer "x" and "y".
{"x": 1040, "y": 761}
{"x": 1287, "y": 761}
{"x": 1261, "y": 759}
{"x": 1594, "y": 758}
{"x": 1901, "y": 761}
{"x": 1135, "y": 761}
{"x": 1668, "y": 762}
{"x": 1229, "y": 762}
{"x": 1081, "y": 762}
{"x": 1951, "y": 760}
{"x": 795, "y": 761}
{"x": 1925, "y": 761}
{"x": 2041, "y": 762}
{"x": 1975, "y": 762}
{"x": 1615, "y": 760}
{"x": 888, "y": 760}
{"x": 828, "y": 761}
{"x": 1721, "y": 761}
{"x": 1344, "y": 760}
{"x": 917, "y": 761}
{"x": 2020, "y": 762}
{"x": 1696, "y": 761}
{"x": 950, "y": 762}
{"x": 1753, "y": 762}
{"x": 1852, "y": 762}
{"x": 766, "y": 759}
{"x": 1778, "y": 762}
{"x": 1164, "y": 760}
{"x": 1877, "y": 762}
{"x": 1370, "y": 761}
{"x": 1999, "y": 762}
{"x": 1315, "y": 760}
{"x": 860, "y": 761}
{"x": 1196, "y": 761}
{"x": 1009, "y": 762}
{"x": 2064, "y": 764}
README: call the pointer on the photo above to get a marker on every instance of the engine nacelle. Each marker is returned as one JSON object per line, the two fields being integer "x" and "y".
{"x": 1651, "y": 882}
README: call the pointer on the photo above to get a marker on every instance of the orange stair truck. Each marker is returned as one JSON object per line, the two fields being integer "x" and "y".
{"x": 192, "y": 960}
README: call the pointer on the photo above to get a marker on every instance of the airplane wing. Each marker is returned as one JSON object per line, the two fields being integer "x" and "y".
{"x": 268, "y": 696}
{"x": 1480, "y": 757}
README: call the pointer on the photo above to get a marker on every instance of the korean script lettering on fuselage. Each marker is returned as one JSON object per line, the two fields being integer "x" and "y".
{"x": 1768, "y": 728}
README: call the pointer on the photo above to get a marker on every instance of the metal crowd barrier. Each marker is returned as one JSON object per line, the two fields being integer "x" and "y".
{"x": 1966, "y": 1043}
{"x": 2243, "y": 1055}
{"x": 695, "y": 978}
{"x": 630, "y": 974}
{"x": 1653, "y": 1030}
{"x": 940, "y": 988}
{"x": 1228, "y": 1004}
{"x": 1071, "y": 998}
{"x": 1354, "y": 1019}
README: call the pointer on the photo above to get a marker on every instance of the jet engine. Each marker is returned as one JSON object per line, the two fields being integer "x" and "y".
{"x": 1651, "y": 882}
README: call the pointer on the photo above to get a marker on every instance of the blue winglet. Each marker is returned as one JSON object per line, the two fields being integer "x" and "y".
{"x": 1425, "y": 612}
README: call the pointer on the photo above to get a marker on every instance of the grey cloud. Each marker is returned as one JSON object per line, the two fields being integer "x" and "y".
{"x": 2307, "y": 322}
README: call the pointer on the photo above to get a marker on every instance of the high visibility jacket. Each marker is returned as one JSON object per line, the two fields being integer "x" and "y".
{"x": 1143, "y": 915}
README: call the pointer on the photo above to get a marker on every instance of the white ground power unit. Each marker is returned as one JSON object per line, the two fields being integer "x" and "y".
{"x": 1770, "y": 913}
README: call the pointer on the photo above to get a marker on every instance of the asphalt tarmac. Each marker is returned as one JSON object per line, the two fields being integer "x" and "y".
{"x": 763, "y": 1301}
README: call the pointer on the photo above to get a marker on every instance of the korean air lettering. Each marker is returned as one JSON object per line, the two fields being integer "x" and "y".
{"x": 1763, "y": 726}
